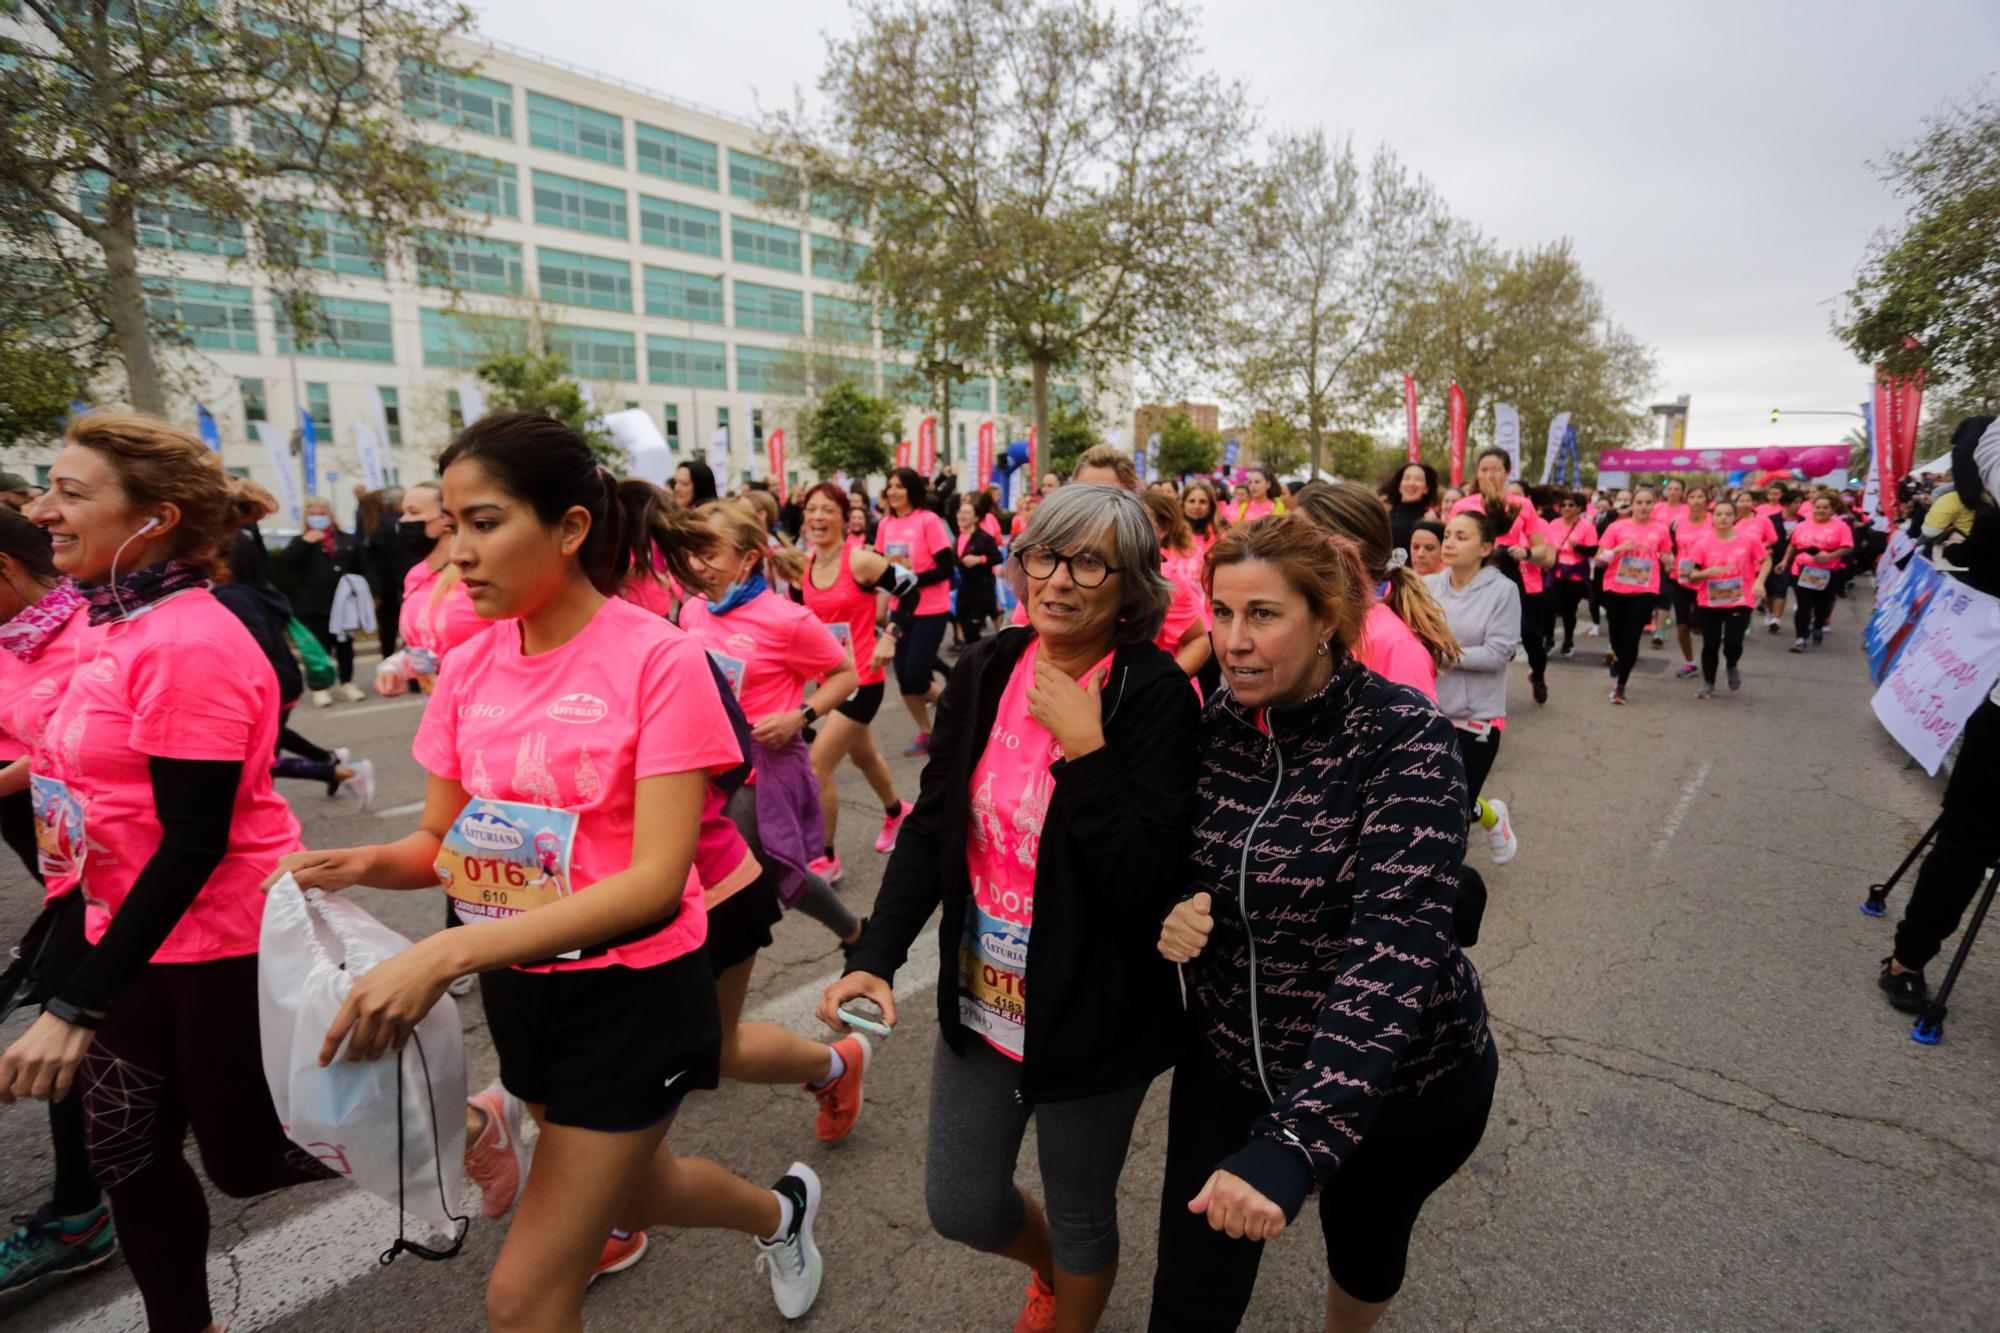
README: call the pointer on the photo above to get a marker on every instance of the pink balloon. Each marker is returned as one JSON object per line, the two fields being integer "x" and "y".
{"x": 1819, "y": 462}
{"x": 1771, "y": 458}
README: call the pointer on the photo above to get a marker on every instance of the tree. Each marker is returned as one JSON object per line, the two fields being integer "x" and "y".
{"x": 233, "y": 135}
{"x": 1928, "y": 297}
{"x": 39, "y": 380}
{"x": 1328, "y": 252}
{"x": 1070, "y": 435}
{"x": 1277, "y": 442}
{"x": 1043, "y": 172}
{"x": 540, "y": 382}
{"x": 846, "y": 431}
{"x": 1527, "y": 328}
{"x": 1186, "y": 449}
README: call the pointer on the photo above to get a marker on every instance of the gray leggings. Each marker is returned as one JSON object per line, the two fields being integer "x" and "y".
{"x": 819, "y": 900}
{"x": 975, "y": 1137}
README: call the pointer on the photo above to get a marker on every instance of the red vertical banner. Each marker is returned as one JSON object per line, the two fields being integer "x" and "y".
{"x": 1410, "y": 412}
{"x": 775, "y": 446}
{"x": 984, "y": 469}
{"x": 902, "y": 453}
{"x": 1034, "y": 459}
{"x": 927, "y": 446}
{"x": 1456, "y": 402}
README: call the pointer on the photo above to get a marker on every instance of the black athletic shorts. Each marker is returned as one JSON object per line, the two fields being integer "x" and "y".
{"x": 1684, "y": 602}
{"x": 864, "y": 703}
{"x": 612, "y": 1049}
{"x": 917, "y": 650}
{"x": 741, "y": 924}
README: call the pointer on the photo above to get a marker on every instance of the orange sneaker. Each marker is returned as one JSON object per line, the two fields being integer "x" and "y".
{"x": 1039, "y": 1314}
{"x": 621, "y": 1251}
{"x": 495, "y": 1161}
{"x": 840, "y": 1100}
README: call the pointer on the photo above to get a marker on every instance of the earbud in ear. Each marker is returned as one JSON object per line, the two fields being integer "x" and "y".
{"x": 148, "y": 526}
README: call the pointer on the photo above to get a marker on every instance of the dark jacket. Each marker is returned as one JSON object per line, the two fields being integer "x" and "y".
{"x": 267, "y": 615}
{"x": 319, "y": 567}
{"x": 1331, "y": 847}
{"x": 389, "y": 561}
{"x": 977, "y": 595}
{"x": 1105, "y": 1008}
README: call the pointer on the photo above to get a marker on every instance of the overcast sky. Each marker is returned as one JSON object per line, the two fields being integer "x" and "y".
{"x": 1709, "y": 160}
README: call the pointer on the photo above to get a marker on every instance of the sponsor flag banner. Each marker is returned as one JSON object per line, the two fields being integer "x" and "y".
{"x": 927, "y": 446}
{"x": 278, "y": 453}
{"x": 1898, "y": 403}
{"x": 776, "y": 444}
{"x": 1410, "y": 412}
{"x": 1455, "y": 409}
{"x": 718, "y": 456}
{"x": 984, "y": 470}
{"x": 1767, "y": 458}
{"x": 1230, "y": 450}
{"x": 1152, "y": 456}
{"x": 1554, "y": 445}
{"x": 368, "y": 448}
{"x": 1507, "y": 435}
{"x": 902, "y": 453}
{"x": 1897, "y": 610}
{"x": 204, "y": 421}
{"x": 471, "y": 401}
{"x": 1034, "y": 458}
{"x": 309, "y": 451}
{"x": 1946, "y": 665}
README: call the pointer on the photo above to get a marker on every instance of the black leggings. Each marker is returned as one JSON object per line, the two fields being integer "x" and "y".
{"x": 1535, "y": 630}
{"x": 179, "y": 1051}
{"x": 1569, "y": 594}
{"x": 1721, "y": 635}
{"x": 313, "y": 762}
{"x": 17, "y": 827}
{"x": 1814, "y": 605}
{"x": 56, "y": 954}
{"x": 342, "y": 649}
{"x": 1478, "y": 752}
{"x": 1628, "y": 613}
{"x": 1968, "y": 842}
{"x": 1203, "y": 1278}
{"x": 917, "y": 650}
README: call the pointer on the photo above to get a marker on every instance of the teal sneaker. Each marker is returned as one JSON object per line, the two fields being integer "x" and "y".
{"x": 46, "y": 1246}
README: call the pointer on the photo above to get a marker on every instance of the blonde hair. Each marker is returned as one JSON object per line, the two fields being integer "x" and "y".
{"x": 159, "y": 464}
{"x": 1353, "y": 511}
{"x": 736, "y": 524}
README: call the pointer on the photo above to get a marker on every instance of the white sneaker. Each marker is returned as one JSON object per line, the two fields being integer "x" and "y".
{"x": 322, "y": 699}
{"x": 1590, "y": 631}
{"x": 350, "y": 693}
{"x": 363, "y": 781}
{"x": 794, "y": 1262}
{"x": 1500, "y": 839}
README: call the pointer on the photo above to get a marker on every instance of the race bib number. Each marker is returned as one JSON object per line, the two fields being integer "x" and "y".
{"x": 897, "y": 552}
{"x": 422, "y": 660}
{"x": 1686, "y": 567}
{"x": 732, "y": 668}
{"x": 500, "y": 858}
{"x": 60, "y": 845}
{"x": 1725, "y": 592}
{"x": 1636, "y": 569}
{"x": 992, "y": 978}
{"x": 1813, "y": 578}
{"x": 843, "y": 634}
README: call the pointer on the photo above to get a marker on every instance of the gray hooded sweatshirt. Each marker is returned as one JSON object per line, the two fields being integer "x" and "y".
{"x": 1485, "y": 616}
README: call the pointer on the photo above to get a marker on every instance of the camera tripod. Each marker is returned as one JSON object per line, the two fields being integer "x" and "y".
{"x": 1929, "y": 1027}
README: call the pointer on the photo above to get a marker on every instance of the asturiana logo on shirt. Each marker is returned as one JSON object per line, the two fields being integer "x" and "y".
{"x": 579, "y": 708}
{"x": 490, "y": 832}
{"x": 45, "y": 688}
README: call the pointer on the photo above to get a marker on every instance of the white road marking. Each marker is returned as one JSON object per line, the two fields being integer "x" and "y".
{"x": 398, "y": 811}
{"x": 1679, "y": 813}
{"x": 280, "y": 1270}
{"x": 343, "y": 712}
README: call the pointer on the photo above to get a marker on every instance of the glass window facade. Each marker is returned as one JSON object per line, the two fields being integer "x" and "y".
{"x": 328, "y": 240}
{"x": 319, "y": 406}
{"x": 686, "y": 361}
{"x": 680, "y": 226}
{"x": 172, "y": 223}
{"x": 488, "y": 185}
{"x": 761, "y": 243}
{"x": 573, "y": 279}
{"x": 773, "y": 308}
{"x": 209, "y": 315}
{"x": 769, "y": 369}
{"x": 675, "y": 157}
{"x": 972, "y": 395}
{"x": 576, "y": 130}
{"x": 841, "y": 320}
{"x": 467, "y": 101}
{"x": 838, "y": 260}
{"x": 255, "y": 406}
{"x": 470, "y": 264}
{"x": 761, "y": 179}
{"x": 392, "y": 416}
{"x": 357, "y": 331}
{"x": 831, "y": 370}
{"x": 677, "y": 295}
{"x": 456, "y": 342}
{"x": 579, "y": 205}
{"x": 596, "y": 354}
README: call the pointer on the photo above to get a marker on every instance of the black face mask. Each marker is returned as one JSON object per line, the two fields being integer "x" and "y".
{"x": 410, "y": 532}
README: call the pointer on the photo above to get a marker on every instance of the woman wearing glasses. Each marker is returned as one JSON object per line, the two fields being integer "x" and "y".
{"x": 1062, "y": 770}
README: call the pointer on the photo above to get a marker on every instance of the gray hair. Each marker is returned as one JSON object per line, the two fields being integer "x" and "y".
{"x": 1077, "y": 516}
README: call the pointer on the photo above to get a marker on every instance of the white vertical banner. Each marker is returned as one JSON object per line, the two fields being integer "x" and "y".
{"x": 1556, "y": 429}
{"x": 749, "y": 437}
{"x": 471, "y": 400}
{"x": 1507, "y": 435}
{"x": 368, "y": 447}
{"x": 718, "y": 457}
{"x": 278, "y": 452}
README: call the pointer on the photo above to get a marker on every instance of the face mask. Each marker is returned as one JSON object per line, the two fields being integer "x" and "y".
{"x": 414, "y": 535}
{"x": 318, "y": 522}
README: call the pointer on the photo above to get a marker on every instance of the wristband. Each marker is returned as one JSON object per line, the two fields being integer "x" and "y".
{"x": 807, "y": 715}
{"x": 71, "y": 1015}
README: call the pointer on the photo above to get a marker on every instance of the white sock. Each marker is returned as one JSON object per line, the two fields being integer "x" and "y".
{"x": 834, "y": 1071}
{"x": 785, "y": 1212}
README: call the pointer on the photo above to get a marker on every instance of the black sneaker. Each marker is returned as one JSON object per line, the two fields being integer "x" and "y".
{"x": 1819, "y": 637}
{"x": 1907, "y": 991}
{"x": 846, "y": 949}
{"x": 1798, "y": 646}
{"x": 1735, "y": 679}
{"x": 1540, "y": 688}
{"x": 1569, "y": 650}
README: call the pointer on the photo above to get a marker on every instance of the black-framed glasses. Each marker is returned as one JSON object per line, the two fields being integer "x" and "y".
{"x": 1087, "y": 568}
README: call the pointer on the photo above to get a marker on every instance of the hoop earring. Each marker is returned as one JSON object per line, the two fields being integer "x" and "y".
{"x": 1322, "y": 650}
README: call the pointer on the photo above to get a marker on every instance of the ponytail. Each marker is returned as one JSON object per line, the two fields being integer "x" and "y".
{"x": 652, "y": 532}
{"x": 1414, "y": 606}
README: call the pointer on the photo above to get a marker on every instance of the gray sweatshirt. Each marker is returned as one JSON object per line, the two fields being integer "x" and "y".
{"x": 1485, "y": 616}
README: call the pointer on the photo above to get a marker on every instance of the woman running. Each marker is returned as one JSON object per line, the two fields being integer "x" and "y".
{"x": 1524, "y": 550}
{"x": 1575, "y": 537}
{"x": 694, "y": 484}
{"x": 978, "y": 553}
{"x": 1403, "y": 635}
{"x": 1198, "y": 505}
{"x": 1689, "y": 528}
{"x": 840, "y": 588}
{"x": 1184, "y": 633}
{"x": 1630, "y": 550}
{"x": 153, "y": 795}
{"x": 1427, "y": 547}
{"x": 1818, "y": 546}
{"x": 916, "y": 539}
{"x": 1482, "y": 607}
{"x": 1728, "y": 570}
{"x": 41, "y": 618}
{"x": 586, "y": 717}
{"x": 1411, "y": 492}
{"x": 438, "y": 614}
{"x": 1668, "y": 507}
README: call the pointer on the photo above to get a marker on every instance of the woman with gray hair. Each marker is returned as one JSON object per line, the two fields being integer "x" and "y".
{"x": 1062, "y": 769}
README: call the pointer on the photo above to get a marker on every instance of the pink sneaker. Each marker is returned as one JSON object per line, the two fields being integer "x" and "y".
{"x": 826, "y": 867}
{"x": 495, "y": 1160}
{"x": 885, "y": 841}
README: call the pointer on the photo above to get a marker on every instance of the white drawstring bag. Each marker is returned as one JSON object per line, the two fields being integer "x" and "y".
{"x": 393, "y": 1126}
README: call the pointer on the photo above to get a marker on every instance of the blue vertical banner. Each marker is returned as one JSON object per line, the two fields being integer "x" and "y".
{"x": 205, "y": 422}
{"x": 1569, "y": 470}
{"x": 309, "y": 451}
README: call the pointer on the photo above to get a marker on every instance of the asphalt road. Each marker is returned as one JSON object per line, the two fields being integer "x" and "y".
{"x": 1707, "y": 1117}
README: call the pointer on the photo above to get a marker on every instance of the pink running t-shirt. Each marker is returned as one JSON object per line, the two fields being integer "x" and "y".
{"x": 1390, "y": 649}
{"x": 914, "y": 541}
{"x": 1637, "y": 570}
{"x": 436, "y": 623}
{"x": 1182, "y": 612}
{"x": 1570, "y": 540}
{"x": 1520, "y": 534}
{"x": 1011, "y": 789}
{"x": 30, "y": 690}
{"x": 1741, "y": 556}
{"x": 1686, "y": 532}
{"x": 848, "y": 611}
{"x": 1756, "y": 525}
{"x": 768, "y": 648}
{"x": 1809, "y": 537}
{"x": 182, "y": 679}
{"x": 577, "y": 728}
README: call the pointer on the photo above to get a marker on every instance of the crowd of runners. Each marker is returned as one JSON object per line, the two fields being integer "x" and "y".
{"x": 1131, "y": 700}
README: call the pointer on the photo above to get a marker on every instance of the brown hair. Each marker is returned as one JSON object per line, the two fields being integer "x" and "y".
{"x": 251, "y": 503}
{"x": 158, "y": 464}
{"x": 1166, "y": 510}
{"x": 1336, "y": 588}
{"x": 1104, "y": 455}
{"x": 736, "y": 527}
{"x": 1351, "y": 510}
